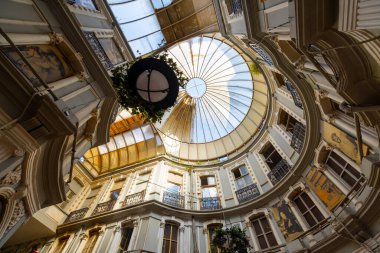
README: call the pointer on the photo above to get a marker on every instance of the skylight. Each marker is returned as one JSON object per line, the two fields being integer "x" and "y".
{"x": 139, "y": 23}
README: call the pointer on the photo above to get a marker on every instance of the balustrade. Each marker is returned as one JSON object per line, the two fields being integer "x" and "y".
{"x": 134, "y": 199}
{"x": 278, "y": 171}
{"x": 210, "y": 203}
{"x": 298, "y": 137}
{"x": 76, "y": 215}
{"x": 104, "y": 207}
{"x": 296, "y": 98}
{"x": 98, "y": 49}
{"x": 247, "y": 193}
{"x": 174, "y": 199}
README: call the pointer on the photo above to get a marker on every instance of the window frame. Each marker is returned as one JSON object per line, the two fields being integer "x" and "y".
{"x": 259, "y": 217}
{"x": 308, "y": 209}
{"x": 170, "y": 239}
{"x": 343, "y": 170}
{"x": 127, "y": 242}
{"x": 236, "y": 179}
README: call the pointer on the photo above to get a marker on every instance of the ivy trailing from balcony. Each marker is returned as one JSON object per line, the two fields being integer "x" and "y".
{"x": 231, "y": 240}
{"x": 129, "y": 99}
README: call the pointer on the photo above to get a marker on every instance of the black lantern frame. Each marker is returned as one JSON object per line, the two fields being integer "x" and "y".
{"x": 150, "y": 64}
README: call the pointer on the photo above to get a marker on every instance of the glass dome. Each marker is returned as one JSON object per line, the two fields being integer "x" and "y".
{"x": 218, "y": 99}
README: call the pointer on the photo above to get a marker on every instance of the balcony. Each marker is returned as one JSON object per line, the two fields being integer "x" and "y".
{"x": 278, "y": 171}
{"x": 133, "y": 199}
{"x": 298, "y": 137}
{"x": 98, "y": 49}
{"x": 104, "y": 207}
{"x": 210, "y": 203}
{"x": 247, "y": 193}
{"x": 236, "y": 7}
{"x": 174, "y": 199}
{"x": 296, "y": 98}
{"x": 76, "y": 215}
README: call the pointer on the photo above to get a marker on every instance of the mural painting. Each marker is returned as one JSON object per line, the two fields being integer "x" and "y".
{"x": 326, "y": 190}
{"x": 344, "y": 142}
{"x": 286, "y": 221}
{"x": 47, "y": 60}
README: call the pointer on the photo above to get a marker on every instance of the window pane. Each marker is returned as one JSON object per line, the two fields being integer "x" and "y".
{"x": 240, "y": 183}
{"x": 257, "y": 227}
{"x": 243, "y": 170}
{"x": 173, "y": 188}
{"x": 271, "y": 239}
{"x": 307, "y": 200}
{"x": 309, "y": 219}
{"x": 204, "y": 181}
{"x": 262, "y": 242}
{"x": 209, "y": 192}
{"x": 167, "y": 231}
{"x": 317, "y": 214}
{"x": 174, "y": 247}
{"x": 265, "y": 224}
{"x": 248, "y": 180}
{"x": 174, "y": 233}
{"x": 236, "y": 173}
{"x": 334, "y": 166}
{"x": 353, "y": 171}
{"x": 211, "y": 180}
{"x": 166, "y": 247}
{"x": 348, "y": 179}
{"x": 337, "y": 158}
{"x": 300, "y": 205}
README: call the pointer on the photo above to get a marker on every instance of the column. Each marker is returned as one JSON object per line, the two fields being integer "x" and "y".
{"x": 115, "y": 240}
{"x": 83, "y": 239}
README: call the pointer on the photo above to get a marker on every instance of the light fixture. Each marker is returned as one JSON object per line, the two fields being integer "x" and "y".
{"x": 154, "y": 82}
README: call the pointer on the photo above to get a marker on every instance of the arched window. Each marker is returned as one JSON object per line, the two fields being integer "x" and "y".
{"x": 210, "y": 236}
{"x": 307, "y": 208}
{"x": 170, "y": 240}
{"x": 263, "y": 232}
{"x": 91, "y": 241}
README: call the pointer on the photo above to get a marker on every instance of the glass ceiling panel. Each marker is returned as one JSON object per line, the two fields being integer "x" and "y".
{"x": 139, "y": 23}
{"x": 220, "y": 91}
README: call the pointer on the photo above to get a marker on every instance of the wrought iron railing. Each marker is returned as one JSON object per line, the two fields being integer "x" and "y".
{"x": 76, "y": 215}
{"x": 278, "y": 171}
{"x": 296, "y": 98}
{"x": 174, "y": 199}
{"x": 210, "y": 203}
{"x": 264, "y": 55}
{"x": 104, "y": 207}
{"x": 247, "y": 193}
{"x": 298, "y": 137}
{"x": 98, "y": 49}
{"x": 133, "y": 199}
{"x": 236, "y": 6}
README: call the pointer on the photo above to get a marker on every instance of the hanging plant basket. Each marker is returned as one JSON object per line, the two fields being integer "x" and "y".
{"x": 231, "y": 240}
{"x": 148, "y": 86}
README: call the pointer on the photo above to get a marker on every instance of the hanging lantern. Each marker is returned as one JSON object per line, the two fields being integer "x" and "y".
{"x": 154, "y": 82}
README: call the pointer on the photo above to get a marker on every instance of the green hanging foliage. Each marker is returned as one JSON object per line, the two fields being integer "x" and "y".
{"x": 129, "y": 99}
{"x": 231, "y": 240}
